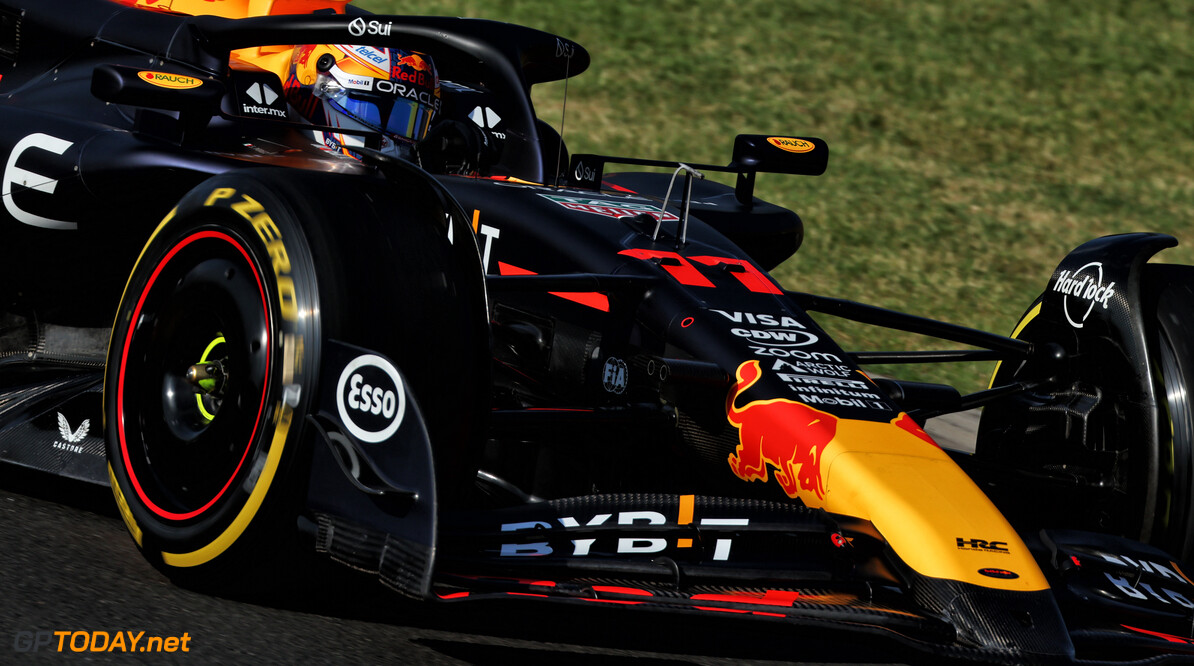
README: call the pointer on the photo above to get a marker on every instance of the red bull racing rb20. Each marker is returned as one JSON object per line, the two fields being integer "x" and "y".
{"x": 431, "y": 344}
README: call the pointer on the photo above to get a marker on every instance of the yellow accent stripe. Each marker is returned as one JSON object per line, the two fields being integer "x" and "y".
{"x": 686, "y": 507}
{"x": 922, "y": 504}
{"x": 685, "y": 518}
{"x": 476, "y": 219}
{"x": 203, "y": 359}
{"x": 1180, "y": 572}
{"x": 249, "y": 510}
{"x": 125, "y": 513}
{"x": 1036, "y": 310}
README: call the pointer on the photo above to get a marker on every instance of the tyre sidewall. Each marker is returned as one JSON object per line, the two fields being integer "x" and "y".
{"x": 244, "y": 218}
{"x": 1169, "y": 294}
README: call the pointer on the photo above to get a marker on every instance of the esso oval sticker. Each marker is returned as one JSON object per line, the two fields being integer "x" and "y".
{"x": 370, "y": 398}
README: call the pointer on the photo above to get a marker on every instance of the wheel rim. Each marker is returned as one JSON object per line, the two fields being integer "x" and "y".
{"x": 1175, "y": 493}
{"x": 209, "y": 378}
{"x": 185, "y": 441}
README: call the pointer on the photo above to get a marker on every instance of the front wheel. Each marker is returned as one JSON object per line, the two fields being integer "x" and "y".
{"x": 218, "y": 350}
{"x": 207, "y": 382}
{"x": 1073, "y": 451}
{"x": 1169, "y": 290}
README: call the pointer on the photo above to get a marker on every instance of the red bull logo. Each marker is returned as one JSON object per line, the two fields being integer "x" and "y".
{"x": 787, "y": 435}
{"x": 792, "y": 437}
{"x": 414, "y": 61}
{"x": 414, "y": 69}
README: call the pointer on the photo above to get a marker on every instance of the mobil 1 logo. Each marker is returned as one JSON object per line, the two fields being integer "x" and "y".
{"x": 370, "y": 398}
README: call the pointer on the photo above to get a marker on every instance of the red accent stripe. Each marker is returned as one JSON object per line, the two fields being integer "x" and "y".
{"x": 750, "y": 277}
{"x": 1169, "y": 637}
{"x": 617, "y": 188}
{"x": 124, "y": 449}
{"x": 769, "y": 598}
{"x": 613, "y": 589}
{"x": 593, "y": 299}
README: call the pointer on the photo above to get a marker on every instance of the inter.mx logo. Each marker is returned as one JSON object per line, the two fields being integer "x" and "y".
{"x": 266, "y": 101}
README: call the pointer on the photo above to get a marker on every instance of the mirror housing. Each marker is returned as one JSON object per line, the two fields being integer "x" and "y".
{"x": 805, "y": 156}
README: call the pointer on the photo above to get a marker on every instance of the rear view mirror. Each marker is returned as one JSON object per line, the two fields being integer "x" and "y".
{"x": 155, "y": 90}
{"x": 805, "y": 156}
{"x": 801, "y": 155}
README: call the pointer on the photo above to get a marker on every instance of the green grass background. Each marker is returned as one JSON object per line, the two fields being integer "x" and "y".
{"x": 972, "y": 144}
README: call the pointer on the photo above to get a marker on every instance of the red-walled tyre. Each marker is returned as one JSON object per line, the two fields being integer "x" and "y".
{"x": 214, "y": 361}
{"x": 208, "y": 380}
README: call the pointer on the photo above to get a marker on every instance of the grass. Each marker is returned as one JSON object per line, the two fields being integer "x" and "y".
{"x": 972, "y": 144}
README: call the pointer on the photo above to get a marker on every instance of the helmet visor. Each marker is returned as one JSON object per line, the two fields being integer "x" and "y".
{"x": 407, "y": 118}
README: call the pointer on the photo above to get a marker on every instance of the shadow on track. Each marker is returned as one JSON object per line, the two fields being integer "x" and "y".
{"x": 76, "y": 569}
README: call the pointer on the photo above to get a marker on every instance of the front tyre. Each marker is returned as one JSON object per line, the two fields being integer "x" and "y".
{"x": 1169, "y": 290}
{"x": 1100, "y": 473}
{"x": 205, "y": 389}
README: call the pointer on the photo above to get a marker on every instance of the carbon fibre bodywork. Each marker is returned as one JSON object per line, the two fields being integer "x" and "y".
{"x": 650, "y": 418}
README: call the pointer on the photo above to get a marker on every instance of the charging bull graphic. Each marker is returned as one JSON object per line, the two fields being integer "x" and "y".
{"x": 907, "y": 423}
{"x": 788, "y": 435}
{"x": 792, "y": 437}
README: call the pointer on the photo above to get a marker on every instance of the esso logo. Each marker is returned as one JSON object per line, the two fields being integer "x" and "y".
{"x": 370, "y": 398}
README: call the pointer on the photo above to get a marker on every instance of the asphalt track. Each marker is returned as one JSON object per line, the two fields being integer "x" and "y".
{"x": 67, "y": 565}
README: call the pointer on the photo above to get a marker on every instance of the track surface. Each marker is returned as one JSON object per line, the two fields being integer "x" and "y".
{"x": 69, "y": 566}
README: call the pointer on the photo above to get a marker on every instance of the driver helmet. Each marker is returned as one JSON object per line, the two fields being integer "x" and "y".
{"x": 382, "y": 92}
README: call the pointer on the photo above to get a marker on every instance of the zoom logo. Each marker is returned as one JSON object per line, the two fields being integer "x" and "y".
{"x": 370, "y": 398}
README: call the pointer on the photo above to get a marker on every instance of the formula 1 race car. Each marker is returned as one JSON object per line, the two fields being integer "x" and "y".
{"x": 485, "y": 368}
